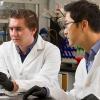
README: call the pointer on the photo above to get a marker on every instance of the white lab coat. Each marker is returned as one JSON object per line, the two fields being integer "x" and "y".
{"x": 40, "y": 67}
{"x": 86, "y": 84}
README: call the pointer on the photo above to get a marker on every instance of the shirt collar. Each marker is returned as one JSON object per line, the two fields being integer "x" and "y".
{"x": 28, "y": 48}
{"x": 93, "y": 51}
{"x": 96, "y": 47}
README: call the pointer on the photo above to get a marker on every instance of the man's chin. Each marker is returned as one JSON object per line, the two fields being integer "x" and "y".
{"x": 16, "y": 43}
{"x": 71, "y": 44}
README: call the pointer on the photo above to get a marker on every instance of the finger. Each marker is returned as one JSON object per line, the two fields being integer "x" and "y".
{"x": 36, "y": 88}
{"x": 29, "y": 92}
{"x": 41, "y": 93}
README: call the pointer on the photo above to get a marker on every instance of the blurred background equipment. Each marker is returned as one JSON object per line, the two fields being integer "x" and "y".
{"x": 44, "y": 34}
{"x": 56, "y": 36}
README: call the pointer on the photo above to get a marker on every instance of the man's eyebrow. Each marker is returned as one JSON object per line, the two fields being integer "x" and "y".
{"x": 15, "y": 27}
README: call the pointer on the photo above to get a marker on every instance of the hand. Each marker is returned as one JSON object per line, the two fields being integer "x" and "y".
{"x": 16, "y": 87}
{"x": 5, "y": 82}
{"x": 90, "y": 97}
{"x": 36, "y": 91}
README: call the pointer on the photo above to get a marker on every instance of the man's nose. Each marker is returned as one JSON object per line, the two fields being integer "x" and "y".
{"x": 14, "y": 32}
{"x": 65, "y": 32}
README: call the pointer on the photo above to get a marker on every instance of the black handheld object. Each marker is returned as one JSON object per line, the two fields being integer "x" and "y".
{"x": 5, "y": 82}
{"x": 90, "y": 97}
{"x": 40, "y": 92}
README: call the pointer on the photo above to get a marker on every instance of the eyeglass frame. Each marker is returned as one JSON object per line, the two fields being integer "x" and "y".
{"x": 66, "y": 24}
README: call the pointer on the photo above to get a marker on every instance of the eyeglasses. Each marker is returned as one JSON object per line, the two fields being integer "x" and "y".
{"x": 66, "y": 24}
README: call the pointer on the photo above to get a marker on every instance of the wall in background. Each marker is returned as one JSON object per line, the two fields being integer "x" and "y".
{"x": 46, "y": 4}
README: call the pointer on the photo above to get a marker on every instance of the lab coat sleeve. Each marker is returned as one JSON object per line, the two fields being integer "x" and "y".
{"x": 3, "y": 66}
{"x": 80, "y": 76}
{"x": 48, "y": 75}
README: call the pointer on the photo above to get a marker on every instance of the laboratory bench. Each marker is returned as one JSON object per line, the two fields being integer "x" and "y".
{"x": 20, "y": 97}
{"x": 67, "y": 70}
{"x": 68, "y": 67}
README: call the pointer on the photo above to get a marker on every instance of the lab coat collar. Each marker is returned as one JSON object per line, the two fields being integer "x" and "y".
{"x": 36, "y": 50}
{"x": 95, "y": 66}
{"x": 34, "y": 53}
{"x": 40, "y": 43}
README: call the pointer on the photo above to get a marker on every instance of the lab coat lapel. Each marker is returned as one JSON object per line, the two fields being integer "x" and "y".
{"x": 17, "y": 61}
{"x": 91, "y": 74}
{"x": 36, "y": 50}
{"x": 31, "y": 56}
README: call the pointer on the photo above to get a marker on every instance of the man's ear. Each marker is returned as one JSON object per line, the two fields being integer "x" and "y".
{"x": 84, "y": 25}
{"x": 34, "y": 31}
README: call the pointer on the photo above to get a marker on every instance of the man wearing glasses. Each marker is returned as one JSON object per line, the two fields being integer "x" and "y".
{"x": 27, "y": 61}
{"x": 82, "y": 27}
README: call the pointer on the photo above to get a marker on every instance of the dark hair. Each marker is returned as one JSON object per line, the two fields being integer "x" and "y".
{"x": 30, "y": 17}
{"x": 84, "y": 10}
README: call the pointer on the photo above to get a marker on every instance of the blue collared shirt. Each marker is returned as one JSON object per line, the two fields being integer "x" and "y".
{"x": 90, "y": 56}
